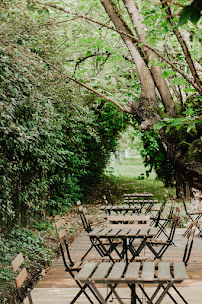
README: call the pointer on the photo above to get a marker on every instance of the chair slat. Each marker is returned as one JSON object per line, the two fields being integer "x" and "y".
{"x": 126, "y": 218}
{"x": 78, "y": 203}
{"x": 86, "y": 271}
{"x": 131, "y": 226}
{"x": 101, "y": 272}
{"x": 116, "y": 272}
{"x": 62, "y": 233}
{"x": 17, "y": 262}
{"x": 179, "y": 271}
{"x": 164, "y": 271}
{"x": 123, "y": 232}
{"x": 95, "y": 231}
{"x": 21, "y": 277}
{"x": 133, "y": 232}
{"x": 153, "y": 231}
{"x": 132, "y": 271}
{"x": 143, "y": 231}
{"x": 148, "y": 271}
{"x": 104, "y": 232}
{"x": 113, "y": 232}
{"x": 77, "y": 265}
{"x": 59, "y": 224}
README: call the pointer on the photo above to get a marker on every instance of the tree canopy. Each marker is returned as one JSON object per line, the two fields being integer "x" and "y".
{"x": 74, "y": 74}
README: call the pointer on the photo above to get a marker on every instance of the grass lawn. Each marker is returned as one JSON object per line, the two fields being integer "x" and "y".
{"x": 127, "y": 171}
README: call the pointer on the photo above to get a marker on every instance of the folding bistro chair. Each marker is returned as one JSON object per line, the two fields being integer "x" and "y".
{"x": 164, "y": 244}
{"x": 185, "y": 259}
{"x": 156, "y": 219}
{"x": 101, "y": 248}
{"x": 21, "y": 277}
{"x": 162, "y": 222}
{"x": 71, "y": 266}
{"x": 194, "y": 216}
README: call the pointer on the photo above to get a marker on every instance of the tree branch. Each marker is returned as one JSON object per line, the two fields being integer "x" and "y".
{"x": 132, "y": 37}
{"x": 183, "y": 45}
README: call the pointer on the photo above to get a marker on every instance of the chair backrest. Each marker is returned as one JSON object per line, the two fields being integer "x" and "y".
{"x": 16, "y": 265}
{"x": 158, "y": 217}
{"x": 85, "y": 220}
{"x": 175, "y": 220}
{"x": 105, "y": 200}
{"x": 61, "y": 233}
{"x": 78, "y": 203}
{"x": 189, "y": 244}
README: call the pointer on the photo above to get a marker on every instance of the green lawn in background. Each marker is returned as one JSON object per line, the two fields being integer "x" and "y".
{"x": 127, "y": 172}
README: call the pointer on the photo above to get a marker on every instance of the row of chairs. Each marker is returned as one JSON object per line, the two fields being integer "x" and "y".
{"x": 73, "y": 267}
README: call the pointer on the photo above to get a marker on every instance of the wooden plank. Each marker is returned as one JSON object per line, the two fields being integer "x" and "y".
{"x": 21, "y": 277}
{"x": 113, "y": 232}
{"x": 17, "y": 262}
{"x": 101, "y": 272}
{"x": 133, "y": 232}
{"x": 62, "y": 233}
{"x": 86, "y": 271}
{"x": 148, "y": 271}
{"x": 59, "y": 224}
{"x": 127, "y": 218}
{"x": 164, "y": 271}
{"x": 153, "y": 231}
{"x": 123, "y": 232}
{"x": 95, "y": 231}
{"x": 132, "y": 272}
{"x": 78, "y": 203}
{"x": 77, "y": 265}
{"x": 117, "y": 271}
{"x": 130, "y": 226}
{"x": 103, "y": 232}
{"x": 179, "y": 271}
{"x": 138, "y": 194}
{"x": 143, "y": 232}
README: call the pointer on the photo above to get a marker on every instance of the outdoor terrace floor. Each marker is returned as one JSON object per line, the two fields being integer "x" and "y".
{"x": 58, "y": 287}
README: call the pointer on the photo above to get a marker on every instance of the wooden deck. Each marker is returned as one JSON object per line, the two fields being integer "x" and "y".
{"x": 58, "y": 287}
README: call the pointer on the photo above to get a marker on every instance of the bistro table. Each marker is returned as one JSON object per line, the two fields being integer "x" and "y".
{"x": 137, "y": 196}
{"x": 134, "y": 274}
{"x": 128, "y": 234}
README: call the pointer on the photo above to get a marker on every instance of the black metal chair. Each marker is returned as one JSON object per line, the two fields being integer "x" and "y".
{"x": 163, "y": 244}
{"x": 106, "y": 246}
{"x": 70, "y": 266}
{"x": 194, "y": 216}
{"x": 21, "y": 277}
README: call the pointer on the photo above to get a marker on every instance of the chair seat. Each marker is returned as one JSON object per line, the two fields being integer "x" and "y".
{"x": 157, "y": 242}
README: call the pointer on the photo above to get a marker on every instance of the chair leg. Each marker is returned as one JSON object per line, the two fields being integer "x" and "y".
{"x": 82, "y": 290}
{"x": 29, "y": 296}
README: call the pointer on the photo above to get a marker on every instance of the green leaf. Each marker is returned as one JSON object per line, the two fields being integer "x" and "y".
{"x": 190, "y": 127}
{"x": 88, "y": 53}
{"x": 189, "y": 111}
{"x": 165, "y": 74}
{"x": 179, "y": 81}
{"x": 187, "y": 90}
{"x": 151, "y": 62}
{"x": 159, "y": 126}
{"x": 152, "y": 40}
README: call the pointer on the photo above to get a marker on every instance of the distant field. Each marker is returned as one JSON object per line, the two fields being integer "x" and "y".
{"x": 127, "y": 172}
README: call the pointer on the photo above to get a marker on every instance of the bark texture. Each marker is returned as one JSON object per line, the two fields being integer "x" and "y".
{"x": 146, "y": 110}
{"x": 156, "y": 71}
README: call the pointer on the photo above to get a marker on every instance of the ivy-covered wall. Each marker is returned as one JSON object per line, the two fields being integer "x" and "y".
{"x": 55, "y": 138}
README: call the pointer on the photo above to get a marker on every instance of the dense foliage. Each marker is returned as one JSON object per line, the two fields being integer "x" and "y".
{"x": 55, "y": 138}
